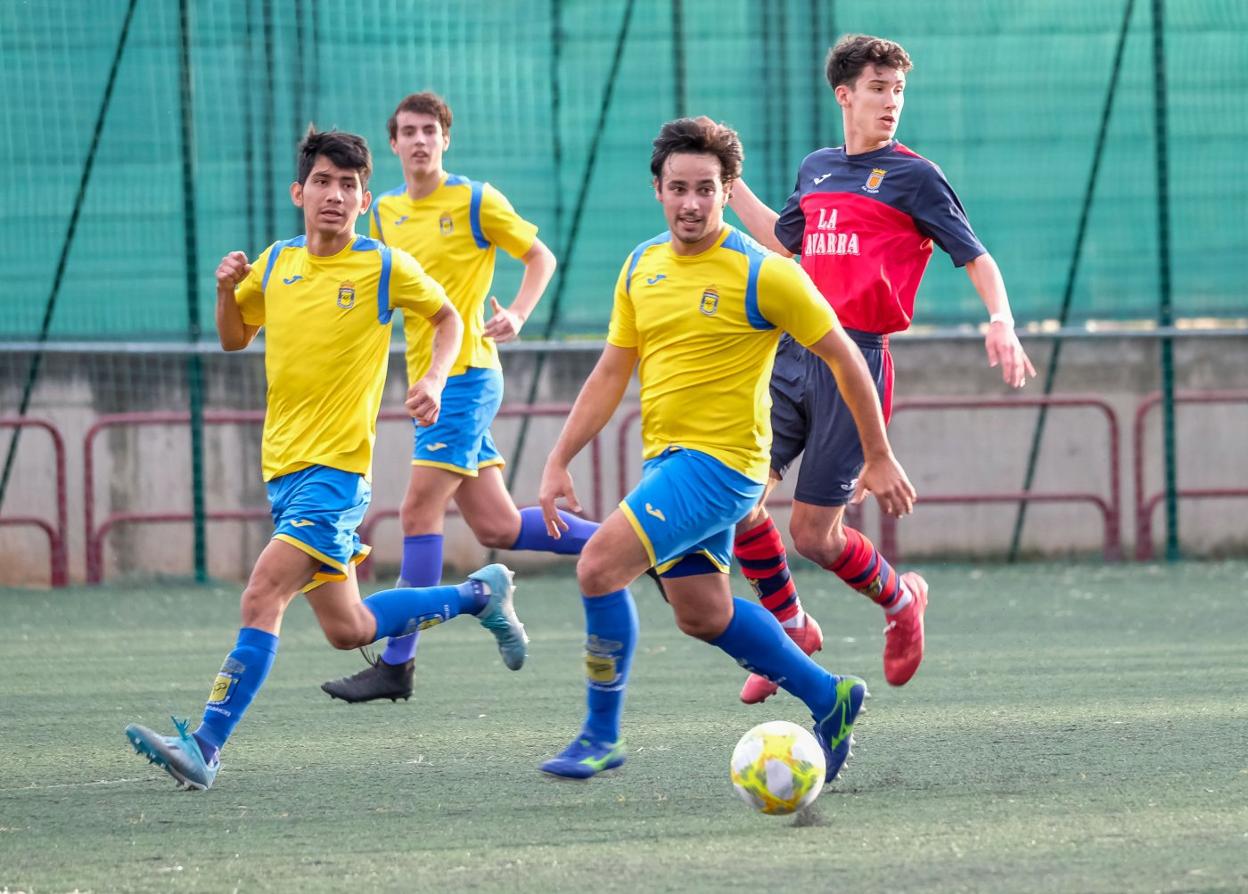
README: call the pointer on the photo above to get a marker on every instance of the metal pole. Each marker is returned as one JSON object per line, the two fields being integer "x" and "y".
{"x": 678, "y": 57}
{"x": 1076, "y": 256}
{"x": 194, "y": 362}
{"x": 1165, "y": 310}
{"x": 36, "y": 362}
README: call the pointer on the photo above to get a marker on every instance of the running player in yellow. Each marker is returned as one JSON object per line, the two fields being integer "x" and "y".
{"x": 325, "y": 300}
{"x": 701, "y": 307}
{"x": 454, "y": 226}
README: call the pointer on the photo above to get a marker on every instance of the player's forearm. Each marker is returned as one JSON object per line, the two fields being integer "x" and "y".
{"x": 448, "y": 334}
{"x": 232, "y": 331}
{"x": 853, "y": 381}
{"x": 757, "y": 217}
{"x": 986, "y": 277}
{"x": 539, "y": 267}
{"x": 597, "y": 402}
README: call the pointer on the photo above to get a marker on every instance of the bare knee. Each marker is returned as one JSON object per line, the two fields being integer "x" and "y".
{"x": 264, "y": 602}
{"x": 496, "y": 533}
{"x": 593, "y": 573}
{"x": 346, "y": 638}
{"x": 418, "y": 516}
{"x": 823, "y": 546}
{"x": 700, "y": 626}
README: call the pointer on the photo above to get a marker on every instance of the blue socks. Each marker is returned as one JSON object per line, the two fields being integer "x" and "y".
{"x": 534, "y": 537}
{"x": 421, "y": 567}
{"x": 236, "y": 685}
{"x": 759, "y": 644}
{"x": 405, "y": 610}
{"x": 611, "y": 638}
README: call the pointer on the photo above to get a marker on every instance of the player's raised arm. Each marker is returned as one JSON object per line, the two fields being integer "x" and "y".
{"x": 757, "y": 217}
{"x": 600, "y": 395}
{"x": 539, "y": 266}
{"x": 234, "y": 333}
{"x": 1001, "y": 342}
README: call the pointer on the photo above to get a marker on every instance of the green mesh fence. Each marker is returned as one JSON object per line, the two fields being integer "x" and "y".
{"x": 1006, "y": 97}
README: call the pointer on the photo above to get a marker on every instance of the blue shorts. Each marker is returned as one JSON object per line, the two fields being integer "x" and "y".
{"x": 317, "y": 510}
{"x": 687, "y": 504}
{"x": 460, "y": 441}
{"x": 808, "y": 414}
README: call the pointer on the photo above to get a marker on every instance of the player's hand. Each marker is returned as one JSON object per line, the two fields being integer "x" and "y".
{"x": 504, "y": 325}
{"x": 424, "y": 401}
{"x": 556, "y": 484}
{"x": 886, "y": 479}
{"x": 233, "y": 269}
{"x": 1004, "y": 350}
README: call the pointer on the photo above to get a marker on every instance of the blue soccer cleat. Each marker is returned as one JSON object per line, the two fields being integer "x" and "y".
{"x": 835, "y": 731}
{"x": 499, "y": 614}
{"x": 179, "y": 756}
{"x": 584, "y": 758}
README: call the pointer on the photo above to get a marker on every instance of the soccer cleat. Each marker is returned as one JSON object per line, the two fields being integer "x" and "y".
{"x": 835, "y": 731}
{"x": 809, "y": 639}
{"x": 378, "y": 680}
{"x": 903, "y": 637}
{"x": 584, "y": 758}
{"x": 499, "y": 614}
{"x": 179, "y": 755}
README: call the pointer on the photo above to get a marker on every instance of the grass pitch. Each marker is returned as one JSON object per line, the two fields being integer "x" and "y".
{"x": 1073, "y": 729}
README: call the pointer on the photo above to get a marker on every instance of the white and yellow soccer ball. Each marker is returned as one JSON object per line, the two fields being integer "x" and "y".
{"x": 778, "y": 767}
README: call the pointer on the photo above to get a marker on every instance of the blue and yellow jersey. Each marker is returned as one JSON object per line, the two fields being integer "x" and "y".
{"x": 453, "y": 232}
{"x": 326, "y": 344}
{"x": 705, "y": 328}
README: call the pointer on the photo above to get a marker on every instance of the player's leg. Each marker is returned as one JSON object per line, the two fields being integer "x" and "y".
{"x": 825, "y": 483}
{"x": 192, "y": 758}
{"x": 610, "y": 561}
{"x": 488, "y": 509}
{"x": 758, "y": 546}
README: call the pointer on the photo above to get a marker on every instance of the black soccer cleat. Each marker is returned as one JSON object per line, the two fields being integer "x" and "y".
{"x": 378, "y": 680}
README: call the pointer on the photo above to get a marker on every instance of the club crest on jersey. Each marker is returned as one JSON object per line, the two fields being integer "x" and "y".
{"x": 346, "y": 295}
{"x": 710, "y": 302}
{"x": 446, "y": 226}
{"x": 874, "y": 180}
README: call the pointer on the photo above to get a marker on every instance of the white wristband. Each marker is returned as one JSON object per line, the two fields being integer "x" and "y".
{"x": 1005, "y": 318}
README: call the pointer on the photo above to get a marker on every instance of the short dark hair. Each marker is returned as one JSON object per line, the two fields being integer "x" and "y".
{"x": 700, "y": 135}
{"x": 348, "y": 151}
{"x": 854, "y": 52}
{"x": 426, "y": 103}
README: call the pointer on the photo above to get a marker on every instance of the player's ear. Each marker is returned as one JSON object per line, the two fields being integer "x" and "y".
{"x": 841, "y": 92}
{"x": 296, "y": 194}
{"x": 367, "y": 200}
{"x": 658, "y": 189}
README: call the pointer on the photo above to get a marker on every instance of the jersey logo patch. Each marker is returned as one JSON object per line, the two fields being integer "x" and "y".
{"x": 657, "y": 513}
{"x": 346, "y": 295}
{"x": 710, "y": 302}
{"x": 821, "y": 178}
{"x": 301, "y": 523}
{"x": 874, "y": 180}
{"x": 292, "y": 280}
{"x": 398, "y": 221}
{"x": 651, "y": 280}
{"x": 446, "y": 226}
{"x": 437, "y": 445}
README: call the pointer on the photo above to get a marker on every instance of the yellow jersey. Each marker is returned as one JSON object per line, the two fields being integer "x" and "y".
{"x": 706, "y": 328}
{"x": 454, "y": 232}
{"x": 326, "y": 346}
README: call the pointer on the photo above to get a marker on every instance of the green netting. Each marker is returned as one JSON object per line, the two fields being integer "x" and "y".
{"x": 1006, "y": 97}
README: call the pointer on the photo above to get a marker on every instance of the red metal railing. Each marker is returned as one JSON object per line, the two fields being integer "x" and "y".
{"x": 95, "y": 535}
{"x": 1146, "y": 504}
{"x": 1110, "y": 508}
{"x": 58, "y": 561}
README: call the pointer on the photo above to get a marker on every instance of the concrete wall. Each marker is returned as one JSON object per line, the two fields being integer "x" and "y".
{"x": 945, "y": 452}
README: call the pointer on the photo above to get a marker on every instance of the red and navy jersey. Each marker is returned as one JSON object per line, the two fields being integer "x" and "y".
{"x": 864, "y": 226}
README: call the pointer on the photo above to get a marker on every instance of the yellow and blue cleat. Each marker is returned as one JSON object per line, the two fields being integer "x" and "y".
{"x": 499, "y": 614}
{"x": 179, "y": 756}
{"x": 585, "y": 758}
{"x": 835, "y": 730}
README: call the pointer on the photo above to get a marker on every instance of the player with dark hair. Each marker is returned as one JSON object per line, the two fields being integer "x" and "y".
{"x": 864, "y": 217}
{"x": 701, "y": 308}
{"x": 325, "y": 300}
{"x": 454, "y": 226}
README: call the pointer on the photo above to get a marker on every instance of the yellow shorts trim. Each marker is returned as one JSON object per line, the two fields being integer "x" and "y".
{"x": 322, "y": 576}
{"x": 721, "y": 567}
{"x": 458, "y": 470}
{"x": 640, "y": 531}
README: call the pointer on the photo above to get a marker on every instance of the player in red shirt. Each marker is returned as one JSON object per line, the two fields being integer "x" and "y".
{"x": 863, "y": 217}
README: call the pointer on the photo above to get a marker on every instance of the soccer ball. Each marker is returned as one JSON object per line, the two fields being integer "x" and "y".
{"x": 778, "y": 767}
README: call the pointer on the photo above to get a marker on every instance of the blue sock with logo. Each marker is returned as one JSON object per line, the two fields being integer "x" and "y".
{"x": 405, "y": 610}
{"x": 240, "y": 678}
{"x": 421, "y": 567}
{"x": 534, "y": 536}
{"x": 759, "y": 644}
{"x": 610, "y": 640}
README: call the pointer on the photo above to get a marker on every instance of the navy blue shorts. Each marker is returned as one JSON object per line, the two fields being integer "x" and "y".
{"x": 809, "y": 418}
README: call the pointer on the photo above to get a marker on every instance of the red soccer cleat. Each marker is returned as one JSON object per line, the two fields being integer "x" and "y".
{"x": 903, "y": 637}
{"x": 809, "y": 639}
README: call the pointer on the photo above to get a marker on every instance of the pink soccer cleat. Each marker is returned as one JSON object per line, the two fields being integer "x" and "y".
{"x": 903, "y": 637}
{"x": 809, "y": 639}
